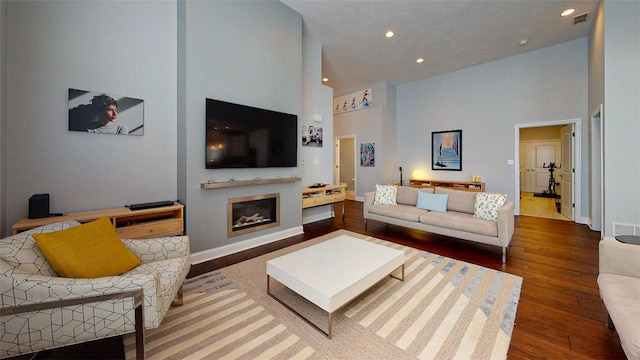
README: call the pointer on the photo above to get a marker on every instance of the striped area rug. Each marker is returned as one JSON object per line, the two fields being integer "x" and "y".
{"x": 445, "y": 309}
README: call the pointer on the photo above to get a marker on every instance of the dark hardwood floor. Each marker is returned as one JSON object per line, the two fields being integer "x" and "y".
{"x": 560, "y": 313}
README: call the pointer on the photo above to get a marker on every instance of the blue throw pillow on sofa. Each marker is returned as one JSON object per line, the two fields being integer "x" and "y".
{"x": 432, "y": 202}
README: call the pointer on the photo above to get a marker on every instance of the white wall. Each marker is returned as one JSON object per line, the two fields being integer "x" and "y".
{"x": 376, "y": 124}
{"x": 316, "y": 99}
{"x": 106, "y": 46}
{"x": 486, "y": 102}
{"x": 245, "y": 52}
{"x": 621, "y": 113}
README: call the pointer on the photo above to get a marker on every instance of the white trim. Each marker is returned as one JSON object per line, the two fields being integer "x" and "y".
{"x": 207, "y": 255}
{"x": 355, "y": 160}
{"x": 577, "y": 158}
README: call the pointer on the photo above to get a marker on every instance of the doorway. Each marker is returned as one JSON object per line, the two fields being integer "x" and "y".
{"x": 532, "y": 158}
{"x": 345, "y": 172}
{"x": 596, "y": 174}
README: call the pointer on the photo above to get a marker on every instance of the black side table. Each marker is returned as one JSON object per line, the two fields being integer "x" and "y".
{"x": 628, "y": 239}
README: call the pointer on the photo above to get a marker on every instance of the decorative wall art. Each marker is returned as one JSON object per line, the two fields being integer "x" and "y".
{"x": 354, "y": 101}
{"x": 446, "y": 150}
{"x": 311, "y": 136}
{"x": 368, "y": 154}
{"x": 96, "y": 112}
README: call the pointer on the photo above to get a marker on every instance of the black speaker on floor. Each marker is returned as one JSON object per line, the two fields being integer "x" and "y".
{"x": 39, "y": 206}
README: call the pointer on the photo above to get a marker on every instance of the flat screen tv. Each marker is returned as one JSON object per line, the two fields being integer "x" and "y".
{"x": 240, "y": 136}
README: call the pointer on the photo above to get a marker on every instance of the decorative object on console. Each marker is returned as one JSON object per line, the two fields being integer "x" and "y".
{"x": 96, "y": 112}
{"x": 39, "y": 206}
{"x": 368, "y": 154}
{"x": 446, "y": 150}
{"x": 401, "y": 182}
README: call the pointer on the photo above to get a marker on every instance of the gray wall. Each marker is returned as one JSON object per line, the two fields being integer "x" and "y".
{"x": 621, "y": 113}
{"x": 106, "y": 46}
{"x": 3, "y": 117}
{"x": 486, "y": 102}
{"x": 316, "y": 162}
{"x": 245, "y": 52}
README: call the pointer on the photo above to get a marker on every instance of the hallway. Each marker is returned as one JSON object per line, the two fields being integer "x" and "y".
{"x": 539, "y": 207}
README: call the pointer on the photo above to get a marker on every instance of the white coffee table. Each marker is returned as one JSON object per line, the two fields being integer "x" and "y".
{"x": 334, "y": 272}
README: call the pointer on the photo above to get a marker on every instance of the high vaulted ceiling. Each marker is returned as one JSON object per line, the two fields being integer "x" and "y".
{"x": 448, "y": 34}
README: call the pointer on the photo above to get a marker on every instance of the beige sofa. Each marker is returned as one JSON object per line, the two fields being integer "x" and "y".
{"x": 619, "y": 283}
{"x": 457, "y": 221}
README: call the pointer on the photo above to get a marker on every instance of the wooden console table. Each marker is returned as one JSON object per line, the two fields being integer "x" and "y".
{"x": 325, "y": 195}
{"x": 130, "y": 224}
{"x": 455, "y": 185}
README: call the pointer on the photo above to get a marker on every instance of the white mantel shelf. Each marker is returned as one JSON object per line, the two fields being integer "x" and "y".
{"x": 226, "y": 184}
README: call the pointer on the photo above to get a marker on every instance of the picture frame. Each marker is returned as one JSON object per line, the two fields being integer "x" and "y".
{"x": 368, "y": 154}
{"x": 98, "y": 112}
{"x": 446, "y": 150}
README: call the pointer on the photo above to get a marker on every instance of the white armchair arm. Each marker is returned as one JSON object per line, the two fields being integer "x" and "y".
{"x": 155, "y": 249}
{"x": 32, "y": 289}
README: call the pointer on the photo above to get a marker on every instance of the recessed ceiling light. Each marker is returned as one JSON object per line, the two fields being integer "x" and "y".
{"x": 567, "y": 12}
{"x": 325, "y": 79}
{"x": 419, "y": 60}
{"x": 389, "y": 34}
{"x": 524, "y": 42}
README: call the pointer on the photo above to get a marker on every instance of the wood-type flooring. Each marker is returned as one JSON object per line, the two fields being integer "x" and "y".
{"x": 560, "y": 313}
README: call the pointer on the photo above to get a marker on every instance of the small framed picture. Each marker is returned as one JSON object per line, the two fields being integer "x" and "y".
{"x": 446, "y": 150}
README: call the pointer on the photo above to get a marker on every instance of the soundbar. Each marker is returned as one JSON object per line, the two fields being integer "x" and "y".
{"x": 150, "y": 205}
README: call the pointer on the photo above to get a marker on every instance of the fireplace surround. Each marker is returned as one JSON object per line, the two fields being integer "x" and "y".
{"x": 252, "y": 213}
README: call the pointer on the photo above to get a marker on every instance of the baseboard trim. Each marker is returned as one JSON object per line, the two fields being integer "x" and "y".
{"x": 317, "y": 217}
{"x": 207, "y": 255}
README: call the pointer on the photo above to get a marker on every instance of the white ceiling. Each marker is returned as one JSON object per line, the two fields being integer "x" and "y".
{"x": 449, "y": 35}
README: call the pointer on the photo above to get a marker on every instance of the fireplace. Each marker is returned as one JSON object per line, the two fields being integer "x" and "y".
{"x": 252, "y": 213}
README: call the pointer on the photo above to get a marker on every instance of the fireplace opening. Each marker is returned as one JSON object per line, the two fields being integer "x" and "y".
{"x": 252, "y": 213}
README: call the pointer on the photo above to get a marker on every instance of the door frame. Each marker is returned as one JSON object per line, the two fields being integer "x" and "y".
{"x": 577, "y": 129}
{"x": 597, "y": 170}
{"x": 336, "y": 168}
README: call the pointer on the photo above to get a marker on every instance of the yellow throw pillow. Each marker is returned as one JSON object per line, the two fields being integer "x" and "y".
{"x": 90, "y": 250}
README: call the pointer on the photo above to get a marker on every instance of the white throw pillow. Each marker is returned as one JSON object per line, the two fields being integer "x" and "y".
{"x": 385, "y": 195}
{"x": 487, "y": 205}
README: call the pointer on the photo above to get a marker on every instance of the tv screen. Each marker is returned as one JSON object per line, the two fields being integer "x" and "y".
{"x": 240, "y": 136}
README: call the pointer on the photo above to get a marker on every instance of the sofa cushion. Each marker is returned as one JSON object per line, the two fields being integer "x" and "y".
{"x": 487, "y": 205}
{"x": 385, "y": 195}
{"x": 460, "y": 221}
{"x": 90, "y": 250}
{"x": 402, "y": 212}
{"x": 462, "y": 201}
{"x": 620, "y": 295}
{"x": 432, "y": 202}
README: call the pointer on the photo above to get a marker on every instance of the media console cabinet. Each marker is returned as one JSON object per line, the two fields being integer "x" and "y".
{"x": 129, "y": 224}
{"x": 324, "y": 195}
{"x": 453, "y": 184}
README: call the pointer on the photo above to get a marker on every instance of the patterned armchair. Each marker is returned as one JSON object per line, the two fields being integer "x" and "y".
{"x": 27, "y": 278}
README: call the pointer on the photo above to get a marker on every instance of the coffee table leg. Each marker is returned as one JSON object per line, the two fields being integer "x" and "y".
{"x": 399, "y": 278}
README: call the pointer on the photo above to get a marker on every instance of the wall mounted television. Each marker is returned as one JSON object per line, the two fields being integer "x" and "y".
{"x": 240, "y": 136}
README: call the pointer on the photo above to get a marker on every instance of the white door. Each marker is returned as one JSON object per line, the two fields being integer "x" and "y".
{"x": 534, "y": 177}
{"x": 566, "y": 172}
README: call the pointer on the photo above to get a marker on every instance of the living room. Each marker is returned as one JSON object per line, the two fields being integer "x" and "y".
{"x": 255, "y": 53}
